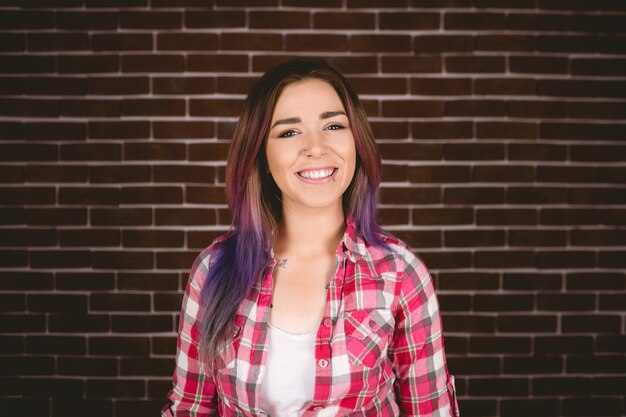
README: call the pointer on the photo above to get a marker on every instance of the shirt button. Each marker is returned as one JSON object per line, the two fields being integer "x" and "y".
{"x": 328, "y": 322}
{"x": 373, "y": 324}
{"x": 323, "y": 363}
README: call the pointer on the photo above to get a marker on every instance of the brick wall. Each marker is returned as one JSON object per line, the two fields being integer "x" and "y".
{"x": 502, "y": 128}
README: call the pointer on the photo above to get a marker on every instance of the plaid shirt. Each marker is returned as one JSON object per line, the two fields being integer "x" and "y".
{"x": 379, "y": 348}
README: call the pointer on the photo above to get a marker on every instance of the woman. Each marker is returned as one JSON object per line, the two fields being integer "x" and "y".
{"x": 306, "y": 307}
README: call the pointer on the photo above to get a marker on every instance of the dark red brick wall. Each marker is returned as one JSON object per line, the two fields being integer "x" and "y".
{"x": 502, "y": 128}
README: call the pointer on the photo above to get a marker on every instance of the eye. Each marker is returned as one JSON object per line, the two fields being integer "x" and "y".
{"x": 287, "y": 134}
{"x": 335, "y": 126}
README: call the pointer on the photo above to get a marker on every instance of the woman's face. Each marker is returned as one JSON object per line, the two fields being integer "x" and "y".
{"x": 310, "y": 148}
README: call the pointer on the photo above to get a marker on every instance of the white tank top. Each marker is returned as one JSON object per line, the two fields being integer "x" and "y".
{"x": 289, "y": 382}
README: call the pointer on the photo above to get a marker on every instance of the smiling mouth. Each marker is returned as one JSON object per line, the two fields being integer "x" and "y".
{"x": 316, "y": 174}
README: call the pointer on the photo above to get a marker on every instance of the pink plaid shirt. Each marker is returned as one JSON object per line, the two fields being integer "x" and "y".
{"x": 379, "y": 348}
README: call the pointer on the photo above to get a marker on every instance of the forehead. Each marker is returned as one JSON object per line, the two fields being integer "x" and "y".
{"x": 307, "y": 95}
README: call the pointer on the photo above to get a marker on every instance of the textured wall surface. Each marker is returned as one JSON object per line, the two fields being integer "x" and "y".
{"x": 502, "y": 128}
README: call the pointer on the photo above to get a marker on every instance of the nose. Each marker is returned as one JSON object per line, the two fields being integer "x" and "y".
{"x": 315, "y": 145}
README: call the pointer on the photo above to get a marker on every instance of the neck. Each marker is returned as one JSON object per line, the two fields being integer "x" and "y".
{"x": 306, "y": 232}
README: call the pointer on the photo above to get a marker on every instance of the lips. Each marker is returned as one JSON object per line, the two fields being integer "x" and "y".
{"x": 317, "y": 175}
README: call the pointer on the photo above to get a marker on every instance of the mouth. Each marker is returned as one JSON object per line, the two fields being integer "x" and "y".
{"x": 317, "y": 175}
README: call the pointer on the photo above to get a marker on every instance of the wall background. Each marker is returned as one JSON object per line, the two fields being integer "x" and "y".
{"x": 502, "y": 128}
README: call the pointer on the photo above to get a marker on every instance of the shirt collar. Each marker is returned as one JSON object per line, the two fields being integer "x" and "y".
{"x": 352, "y": 241}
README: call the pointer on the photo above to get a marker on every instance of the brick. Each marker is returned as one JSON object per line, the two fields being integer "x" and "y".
{"x": 187, "y": 41}
{"x": 11, "y": 174}
{"x": 79, "y": 281}
{"x": 538, "y": 22}
{"x": 23, "y": 323}
{"x": 475, "y": 323}
{"x": 316, "y": 42}
{"x": 534, "y": 281}
{"x": 504, "y": 259}
{"x": 57, "y": 41}
{"x": 421, "y": 239}
{"x": 59, "y": 173}
{"x": 499, "y": 387}
{"x": 596, "y": 364}
{"x": 311, "y": 3}
{"x": 533, "y": 365}
{"x": 35, "y": 407}
{"x": 119, "y": 302}
{"x": 27, "y": 365}
{"x": 443, "y": 43}
{"x": 29, "y": 108}
{"x": 442, "y": 216}
{"x": 121, "y": 42}
{"x": 118, "y": 86}
{"x": 153, "y": 63}
{"x": 56, "y": 216}
{"x": 394, "y": 173}
{"x": 567, "y": 216}
{"x": 154, "y": 151}
{"x": 474, "y": 21}
{"x": 153, "y": 107}
{"x": 12, "y": 42}
{"x": 217, "y": 63}
{"x": 114, "y": 388}
{"x": 183, "y": 85}
{"x": 235, "y": 85}
{"x": 413, "y": 195}
{"x": 533, "y": 152}
{"x": 121, "y": 259}
{"x": 474, "y": 151}
{"x": 596, "y": 281}
{"x": 499, "y": 344}
{"x": 474, "y": 365}
{"x": 440, "y": 130}
{"x": 439, "y": 174}
{"x": 89, "y": 237}
{"x": 151, "y": 195}
{"x": 278, "y": 20}
{"x": 151, "y": 20}
{"x": 503, "y": 302}
{"x": 613, "y": 216}
{"x": 547, "y": 407}
{"x": 475, "y": 108}
{"x": 534, "y": 238}
{"x": 90, "y": 108}
{"x": 608, "y": 385}
{"x": 118, "y": 129}
{"x": 52, "y": 387}
{"x": 562, "y": 259}
{"x": 251, "y": 41}
{"x": 119, "y": 345}
{"x": 55, "y": 131}
{"x": 167, "y": 302}
{"x": 184, "y": 216}
{"x": 25, "y": 281}
{"x": 412, "y": 151}
{"x": 27, "y": 195}
{"x": 343, "y": 21}
{"x": 153, "y": 238}
{"x": 184, "y": 173}
{"x": 538, "y": 65}
{"x": 56, "y": 344}
{"x": 345, "y": 64}
{"x": 390, "y": 130}
{"x": 408, "y": 21}
{"x": 580, "y": 5}
{"x": 413, "y": 108}
{"x": 21, "y": 64}
{"x": 598, "y": 323}
{"x": 181, "y": 259}
{"x": 598, "y": 196}
{"x": 87, "y": 366}
{"x": 457, "y": 259}
{"x": 78, "y": 323}
{"x": 88, "y": 195}
{"x": 29, "y": 237}
{"x": 472, "y": 238}
{"x": 94, "y": 408}
{"x": 13, "y": 258}
{"x": 121, "y": 216}
{"x": 475, "y": 195}
{"x": 131, "y": 408}
{"x": 147, "y": 281}
{"x": 505, "y": 43}
{"x": 12, "y": 302}
{"x": 183, "y": 129}
{"x": 582, "y": 43}
{"x": 506, "y": 86}
{"x": 417, "y": 64}
{"x": 60, "y": 303}
{"x": 590, "y": 406}
{"x": 563, "y": 344}
{"x": 527, "y": 324}
{"x": 87, "y": 63}
{"x": 53, "y": 85}
{"x": 597, "y": 237}
{"x": 598, "y": 66}
{"x": 117, "y": 174}
{"x": 566, "y": 174}
{"x": 611, "y": 343}
{"x": 566, "y": 302}
{"x": 499, "y": 173}
{"x": 13, "y": 19}
{"x": 205, "y": 195}
{"x": 87, "y": 20}
{"x": 388, "y": 217}
{"x": 475, "y": 281}
{"x": 601, "y": 153}
{"x": 377, "y": 3}
{"x": 11, "y": 130}
{"x": 474, "y": 64}
{"x": 214, "y": 19}
{"x": 441, "y": 86}
{"x": 215, "y": 107}
{"x": 142, "y": 323}
{"x": 380, "y": 43}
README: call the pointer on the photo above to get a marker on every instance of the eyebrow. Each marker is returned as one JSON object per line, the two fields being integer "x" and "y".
{"x": 293, "y": 120}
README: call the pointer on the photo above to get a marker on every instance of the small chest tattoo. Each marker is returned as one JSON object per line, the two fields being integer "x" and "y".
{"x": 283, "y": 263}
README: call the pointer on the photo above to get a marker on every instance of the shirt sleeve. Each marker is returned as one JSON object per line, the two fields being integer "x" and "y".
{"x": 423, "y": 385}
{"x": 193, "y": 393}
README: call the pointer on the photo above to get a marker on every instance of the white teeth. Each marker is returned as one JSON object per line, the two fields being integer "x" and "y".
{"x": 322, "y": 173}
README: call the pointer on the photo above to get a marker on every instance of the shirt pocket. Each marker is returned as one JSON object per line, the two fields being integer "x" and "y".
{"x": 227, "y": 355}
{"x": 367, "y": 335}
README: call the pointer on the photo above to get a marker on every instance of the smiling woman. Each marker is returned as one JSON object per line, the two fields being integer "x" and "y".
{"x": 306, "y": 307}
